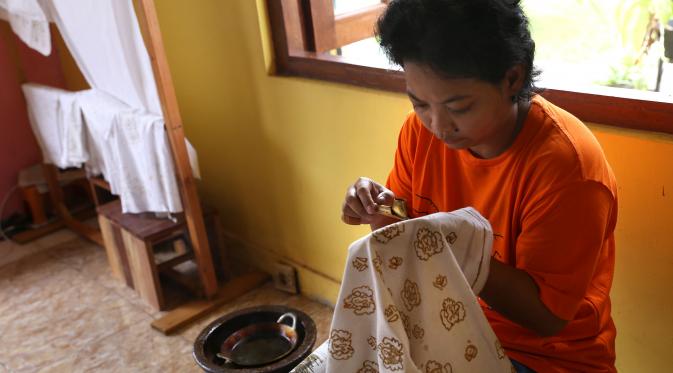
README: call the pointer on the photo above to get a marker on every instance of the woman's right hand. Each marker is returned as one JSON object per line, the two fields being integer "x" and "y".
{"x": 362, "y": 201}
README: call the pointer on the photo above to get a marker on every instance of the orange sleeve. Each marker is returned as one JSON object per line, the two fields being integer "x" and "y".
{"x": 399, "y": 179}
{"x": 561, "y": 240}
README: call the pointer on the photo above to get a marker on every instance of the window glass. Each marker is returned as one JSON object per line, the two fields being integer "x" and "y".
{"x": 344, "y": 6}
{"x": 582, "y": 44}
{"x": 365, "y": 52}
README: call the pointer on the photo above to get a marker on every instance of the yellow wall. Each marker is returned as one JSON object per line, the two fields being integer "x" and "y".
{"x": 277, "y": 154}
{"x": 642, "y": 292}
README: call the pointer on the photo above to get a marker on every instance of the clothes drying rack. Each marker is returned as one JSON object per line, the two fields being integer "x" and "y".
{"x": 215, "y": 294}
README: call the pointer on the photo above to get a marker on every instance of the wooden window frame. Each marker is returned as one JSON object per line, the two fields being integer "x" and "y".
{"x": 304, "y": 30}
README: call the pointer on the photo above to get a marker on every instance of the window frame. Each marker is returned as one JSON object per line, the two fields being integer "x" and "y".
{"x": 303, "y": 30}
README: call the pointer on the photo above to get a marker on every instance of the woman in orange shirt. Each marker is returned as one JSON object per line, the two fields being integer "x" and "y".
{"x": 480, "y": 137}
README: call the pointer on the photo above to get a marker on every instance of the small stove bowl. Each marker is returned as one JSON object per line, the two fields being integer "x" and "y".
{"x": 209, "y": 342}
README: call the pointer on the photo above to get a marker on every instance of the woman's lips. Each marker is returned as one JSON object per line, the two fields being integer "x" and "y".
{"x": 449, "y": 138}
{"x": 452, "y": 140}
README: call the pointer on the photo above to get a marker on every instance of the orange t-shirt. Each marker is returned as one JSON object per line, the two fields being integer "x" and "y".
{"x": 551, "y": 199}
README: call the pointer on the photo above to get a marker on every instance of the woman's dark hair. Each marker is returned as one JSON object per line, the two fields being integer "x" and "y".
{"x": 479, "y": 39}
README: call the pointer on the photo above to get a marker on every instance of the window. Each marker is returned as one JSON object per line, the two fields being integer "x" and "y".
{"x": 604, "y": 61}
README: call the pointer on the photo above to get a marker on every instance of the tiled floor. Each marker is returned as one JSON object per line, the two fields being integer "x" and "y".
{"x": 62, "y": 311}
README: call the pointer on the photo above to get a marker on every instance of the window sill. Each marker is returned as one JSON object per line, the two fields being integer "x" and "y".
{"x": 623, "y": 108}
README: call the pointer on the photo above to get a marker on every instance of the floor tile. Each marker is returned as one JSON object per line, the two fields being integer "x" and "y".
{"x": 137, "y": 348}
{"x": 61, "y": 310}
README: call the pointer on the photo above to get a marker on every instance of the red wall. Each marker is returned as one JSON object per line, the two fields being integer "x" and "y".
{"x": 18, "y": 147}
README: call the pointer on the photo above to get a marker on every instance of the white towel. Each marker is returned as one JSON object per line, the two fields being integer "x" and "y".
{"x": 407, "y": 302}
{"x": 99, "y": 110}
{"x": 144, "y": 164}
{"x": 70, "y": 121}
{"x": 29, "y": 23}
{"x": 42, "y": 104}
{"x": 128, "y": 147}
{"x": 57, "y": 123}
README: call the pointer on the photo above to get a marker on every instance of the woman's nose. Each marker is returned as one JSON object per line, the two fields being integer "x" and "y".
{"x": 442, "y": 122}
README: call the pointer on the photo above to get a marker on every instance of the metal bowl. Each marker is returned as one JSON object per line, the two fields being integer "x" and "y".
{"x": 253, "y": 328}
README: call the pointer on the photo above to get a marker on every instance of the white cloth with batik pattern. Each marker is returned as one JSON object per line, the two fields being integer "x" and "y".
{"x": 407, "y": 302}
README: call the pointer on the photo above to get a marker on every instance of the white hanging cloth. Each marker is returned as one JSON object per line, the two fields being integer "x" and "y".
{"x": 193, "y": 159}
{"x": 99, "y": 111}
{"x": 132, "y": 151}
{"x": 407, "y": 302}
{"x": 96, "y": 127}
{"x": 29, "y": 23}
{"x": 42, "y": 103}
{"x": 70, "y": 119}
{"x": 56, "y": 120}
{"x": 144, "y": 165}
{"x": 104, "y": 38}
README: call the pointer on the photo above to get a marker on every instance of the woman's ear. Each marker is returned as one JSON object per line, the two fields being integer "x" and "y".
{"x": 514, "y": 78}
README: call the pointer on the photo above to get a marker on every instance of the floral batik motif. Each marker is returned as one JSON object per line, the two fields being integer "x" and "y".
{"x": 418, "y": 332}
{"x": 340, "y": 344}
{"x": 428, "y": 243}
{"x": 378, "y": 262}
{"x": 391, "y": 313}
{"x": 395, "y": 262}
{"x": 385, "y": 235}
{"x": 499, "y": 350}
{"x": 451, "y": 238}
{"x": 411, "y": 296}
{"x": 369, "y": 366}
{"x": 452, "y": 313}
{"x": 436, "y": 367}
{"x": 361, "y": 301}
{"x": 391, "y": 353}
{"x": 440, "y": 282}
{"x": 360, "y": 263}
{"x": 371, "y": 341}
{"x": 470, "y": 351}
{"x": 406, "y": 324}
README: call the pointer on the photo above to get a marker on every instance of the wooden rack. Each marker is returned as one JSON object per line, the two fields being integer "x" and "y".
{"x": 193, "y": 216}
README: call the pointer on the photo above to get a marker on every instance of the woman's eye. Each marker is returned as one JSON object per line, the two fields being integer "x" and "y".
{"x": 419, "y": 106}
{"x": 462, "y": 110}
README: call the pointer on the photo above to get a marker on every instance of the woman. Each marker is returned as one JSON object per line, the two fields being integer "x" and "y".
{"x": 480, "y": 137}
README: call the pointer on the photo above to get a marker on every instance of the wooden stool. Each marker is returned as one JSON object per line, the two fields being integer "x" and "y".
{"x": 35, "y": 202}
{"x": 130, "y": 242}
{"x": 33, "y": 186}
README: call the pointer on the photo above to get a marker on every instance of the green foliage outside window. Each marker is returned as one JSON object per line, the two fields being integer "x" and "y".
{"x": 598, "y": 41}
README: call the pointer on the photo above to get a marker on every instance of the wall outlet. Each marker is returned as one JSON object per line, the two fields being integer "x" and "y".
{"x": 285, "y": 278}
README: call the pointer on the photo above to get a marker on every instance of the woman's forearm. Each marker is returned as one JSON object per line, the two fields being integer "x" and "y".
{"x": 514, "y": 294}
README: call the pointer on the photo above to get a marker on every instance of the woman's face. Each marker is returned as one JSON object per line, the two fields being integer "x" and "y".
{"x": 464, "y": 113}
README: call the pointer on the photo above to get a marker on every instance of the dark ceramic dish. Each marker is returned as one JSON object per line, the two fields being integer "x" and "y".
{"x": 253, "y": 329}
